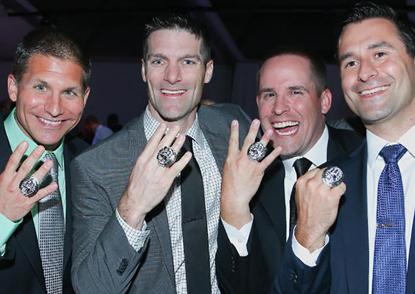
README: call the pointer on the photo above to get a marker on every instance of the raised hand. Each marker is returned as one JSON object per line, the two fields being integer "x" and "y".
{"x": 149, "y": 182}
{"x": 13, "y": 204}
{"x": 317, "y": 207}
{"x": 242, "y": 175}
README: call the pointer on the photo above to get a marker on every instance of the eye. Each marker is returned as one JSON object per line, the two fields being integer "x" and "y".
{"x": 189, "y": 61}
{"x": 297, "y": 92}
{"x": 156, "y": 61}
{"x": 70, "y": 93}
{"x": 40, "y": 87}
{"x": 380, "y": 54}
{"x": 268, "y": 95}
{"x": 350, "y": 64}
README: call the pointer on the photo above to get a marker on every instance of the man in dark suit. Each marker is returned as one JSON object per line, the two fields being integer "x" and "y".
{"x": 49, "y": 85}
{"x": 366, "y": 234}
{"x": 292, "y": 102}
{"x": 130, "y": 229}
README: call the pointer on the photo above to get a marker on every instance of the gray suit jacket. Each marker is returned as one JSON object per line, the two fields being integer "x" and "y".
{"x": 103, "y": 260}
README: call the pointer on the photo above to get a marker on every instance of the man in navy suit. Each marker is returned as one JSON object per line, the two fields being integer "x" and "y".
{"x": 49, "y": 84}
{"x": 341, "y": 227}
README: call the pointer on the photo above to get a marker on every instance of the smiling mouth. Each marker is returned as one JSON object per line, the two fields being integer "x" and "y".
{"x": 48, "y": 122}
{"x": 373, "y": 91}
{"x": 172, "y": 92}
{"x": 286, "y": 128}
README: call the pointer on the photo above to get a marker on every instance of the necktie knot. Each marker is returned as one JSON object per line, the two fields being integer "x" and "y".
{"x": 301, "y": 166}
{"x": 392, "y": 153}
{"x": 54, "y": 170}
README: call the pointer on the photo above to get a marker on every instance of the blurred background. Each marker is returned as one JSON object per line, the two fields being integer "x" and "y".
{"x": 243, "y": 32}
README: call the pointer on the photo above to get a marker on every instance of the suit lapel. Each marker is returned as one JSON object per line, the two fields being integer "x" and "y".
{"x": 157, "y": 218}
{"x": 25, "y": 234}
{"x": 353, "y": 222}
{"x": 410, "y": 279}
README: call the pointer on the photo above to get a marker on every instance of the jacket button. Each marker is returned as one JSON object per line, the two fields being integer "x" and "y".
{"x": 123, "y": 266}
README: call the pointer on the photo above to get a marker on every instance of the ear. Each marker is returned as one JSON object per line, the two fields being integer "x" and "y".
{"x": 12, "y": 87}
{"x": 209, "y": 71}
{"x": 325, "y": 100}
{"x": 143, "y": 70}
{"x": 86, "y": 95}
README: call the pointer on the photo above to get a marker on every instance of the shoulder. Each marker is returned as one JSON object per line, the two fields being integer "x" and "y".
{"x": 223, "y": 112}
{"x": 348, "y": 139}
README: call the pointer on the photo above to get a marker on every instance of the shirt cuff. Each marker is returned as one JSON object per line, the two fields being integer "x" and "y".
{"x": 7, "y": 229}
{"x": 302, "y": 253}
{"x": 135, "y": 237}
{"x": 239, "y": 238}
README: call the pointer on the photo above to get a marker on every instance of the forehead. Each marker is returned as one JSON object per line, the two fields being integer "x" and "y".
{"x": 368, "y": 32}
{"x": 52, "y": 68}
{"x": 286, "y": 69}
{"x": 173, "y": 41}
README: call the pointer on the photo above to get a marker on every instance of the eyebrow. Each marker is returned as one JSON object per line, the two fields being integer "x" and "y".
{"x": 297, "y": 87}
{"x": 381, "y": 44}
{"x": 263, "y": 90}
{"x": 159, "y": 55}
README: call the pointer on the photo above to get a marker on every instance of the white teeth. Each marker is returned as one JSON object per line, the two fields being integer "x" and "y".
{"x": 373, "y": 91}
{"x": 284, "y": 124}
{"x": 50, "y": 122}
{"x": 172, "y": 92}
{"x": 289, "y": 133}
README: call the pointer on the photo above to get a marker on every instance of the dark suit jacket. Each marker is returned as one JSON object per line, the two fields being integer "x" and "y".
{"x": 21, "y": 267}
{"x": 103, "y": 260}
{"x": 268, "y": 236}
{"x": 344, "y": 263}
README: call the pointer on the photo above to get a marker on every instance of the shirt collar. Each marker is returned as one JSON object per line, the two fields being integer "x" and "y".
{"x": 151, "y": 124}
{"x": 376, "y": 143}
{"x": 15, "y": 136}
{"x": 317, "y": 155}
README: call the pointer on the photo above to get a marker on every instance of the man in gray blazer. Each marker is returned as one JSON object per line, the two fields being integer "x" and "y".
{"x": 130, "y": 229}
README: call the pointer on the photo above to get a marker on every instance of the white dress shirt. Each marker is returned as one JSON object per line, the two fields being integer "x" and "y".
{"x": 317, "y": 155}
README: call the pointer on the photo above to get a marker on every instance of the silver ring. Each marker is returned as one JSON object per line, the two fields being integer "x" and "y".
{"x": 332, "y": 176}
{"x": 166, "y": 156}
{"x": 29, "y": 186}
{"x": 257, "y": 151}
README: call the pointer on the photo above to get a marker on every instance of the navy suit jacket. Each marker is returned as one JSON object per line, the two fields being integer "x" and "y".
{"x": 268, "y": 236}
{"x": 343, "y": 266}
{"x": 21, "y": 266}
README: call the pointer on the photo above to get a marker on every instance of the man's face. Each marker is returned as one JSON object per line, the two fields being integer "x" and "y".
{"x": 49, "y": 98}
{"x": 378, "y": 74}
{"x": 175, "y": 73}
{"x": 289, "y": 104}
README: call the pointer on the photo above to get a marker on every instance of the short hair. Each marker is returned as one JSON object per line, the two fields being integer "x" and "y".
{"x": 365, "y": 10}
{"x": 317, "y": 66}
{"x": 50, "y": 42}
{"x": 178, "y": 22}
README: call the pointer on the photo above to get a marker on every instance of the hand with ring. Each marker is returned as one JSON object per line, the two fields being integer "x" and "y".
{"x": 318, "y": 195}
{"x": 153, "y": 175}
{"x": 243, "y": 172}
{"x": 19, "y": 189}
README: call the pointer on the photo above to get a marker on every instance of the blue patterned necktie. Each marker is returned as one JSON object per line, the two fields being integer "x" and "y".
{"x": 51, "y": 234}
{"x": 389, "y": 268}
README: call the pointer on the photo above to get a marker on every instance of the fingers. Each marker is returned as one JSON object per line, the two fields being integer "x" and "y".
{"x": 154, "y": 141}
{"x": 14, "y": 160}
{"x": 270, "y": 157}
{"x": 44, "y": 192}
{"x": 234, "y": 138}
{"x": 179, "y": 165}
{"x": 250, "y": 138}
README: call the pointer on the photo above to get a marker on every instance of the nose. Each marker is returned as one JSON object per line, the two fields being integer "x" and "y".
{"x": 172, "y": 73}
{"x": 281, "y": 105}
{"x": 53, "y": 105}
{"x": 366, "y": 70}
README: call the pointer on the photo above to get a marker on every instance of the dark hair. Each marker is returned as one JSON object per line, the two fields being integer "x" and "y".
{"x": 366, "y": 10}
{"x": 178, "y": 22}
{"x": 317, "y": 66}
{"x": 48, "y": 41}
